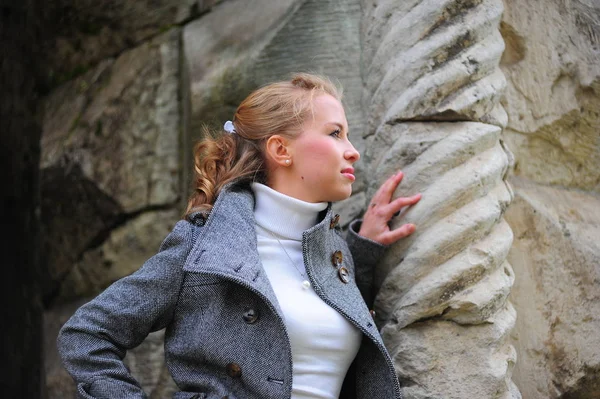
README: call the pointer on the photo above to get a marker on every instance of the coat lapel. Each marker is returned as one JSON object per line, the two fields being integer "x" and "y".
{"x": 226, "y": 246}
{"x": 318, "y": 246}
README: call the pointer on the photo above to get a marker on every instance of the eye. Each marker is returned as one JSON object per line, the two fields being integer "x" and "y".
{"x": 336, "y": 133}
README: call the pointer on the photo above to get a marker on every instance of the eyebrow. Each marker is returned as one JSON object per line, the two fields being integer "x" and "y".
{"x": 336, "y": 124}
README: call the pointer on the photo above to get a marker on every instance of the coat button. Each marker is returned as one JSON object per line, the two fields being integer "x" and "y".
{"x": 250, "y": 316}
{"x": 372, "y": 313}
{"x": 335, "y": 220}
{"x": 337, "y": 258}
{"x": 233, "y": 370}
{"x": 344, "y": 275}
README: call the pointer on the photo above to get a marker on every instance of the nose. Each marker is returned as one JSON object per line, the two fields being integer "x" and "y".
{"x": 351, "y": 154}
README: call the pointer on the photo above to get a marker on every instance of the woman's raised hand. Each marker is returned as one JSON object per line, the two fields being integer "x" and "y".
{"x": 375, "y": 225}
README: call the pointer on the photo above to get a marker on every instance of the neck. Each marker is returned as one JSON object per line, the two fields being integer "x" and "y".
{"x": 285, "y": 216}
{"x": 279, "y": 181}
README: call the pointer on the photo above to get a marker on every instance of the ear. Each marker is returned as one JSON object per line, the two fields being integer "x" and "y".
{"x": 278, "y": 151}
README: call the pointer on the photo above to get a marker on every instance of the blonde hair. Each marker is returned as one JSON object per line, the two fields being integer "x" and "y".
{"x": 277, "y": 108}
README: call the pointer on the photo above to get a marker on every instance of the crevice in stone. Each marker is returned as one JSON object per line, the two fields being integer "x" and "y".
{"x": 95, "y": 242}
{"x": 77, "y": 216}
{"x": 122, "y": 220}
{"x": 449, "y": 53}
{"x": 453, "y": 13}
{"x": 586, "y": 387}
{"x": 444, "y": 116}
{"x": 515, "y": 48}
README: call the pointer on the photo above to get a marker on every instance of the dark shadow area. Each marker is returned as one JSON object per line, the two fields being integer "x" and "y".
{"x": 21, "y": 77}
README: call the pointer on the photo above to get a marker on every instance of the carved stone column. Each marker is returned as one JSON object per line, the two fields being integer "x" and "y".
{"x": 432, "y": 89}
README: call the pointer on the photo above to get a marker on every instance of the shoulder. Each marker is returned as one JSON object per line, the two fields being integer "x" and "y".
{"x": 184, "y": 234}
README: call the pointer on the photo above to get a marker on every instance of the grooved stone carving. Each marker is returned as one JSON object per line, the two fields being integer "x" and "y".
{"x": 434, "y": 112}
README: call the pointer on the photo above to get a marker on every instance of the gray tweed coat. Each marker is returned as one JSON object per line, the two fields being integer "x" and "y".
{"x": 225, "y": 336}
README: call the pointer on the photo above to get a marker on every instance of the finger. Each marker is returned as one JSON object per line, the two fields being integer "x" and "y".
{"x": 394, "y": 235}
{"x": 394, "y": 208}
{"x": 401, "y": 202}
{"x": 385, "y": 192}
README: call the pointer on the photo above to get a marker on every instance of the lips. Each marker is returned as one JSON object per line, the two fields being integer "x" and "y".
{"x": 349, "y": 173}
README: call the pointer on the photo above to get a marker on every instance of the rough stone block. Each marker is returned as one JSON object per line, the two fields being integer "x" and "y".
{"x": 110, "y": 151}
{"x": 124, "y": 251}
{"x": 89, "y": 31}
{"x": 552, "y": 66}
{"x": 556, "y": 258}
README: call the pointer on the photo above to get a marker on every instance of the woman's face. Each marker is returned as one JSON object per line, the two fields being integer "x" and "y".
{"x": 322, "y": 155}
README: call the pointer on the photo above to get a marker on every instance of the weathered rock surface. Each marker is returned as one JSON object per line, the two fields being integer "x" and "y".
{"x": 442, "y": 302}
{"x": 429, "y": 348}
{"x": 110, "y": 151}
{"x": 552, "y": 64}
{"x": 90, "y": 31}
{"x": 451, "y": 275}
{"x": 350, "y": 208}
{"x": 556, "y": 257}
{"x": 124, "y": 251}
{"x": 426, "y": 60}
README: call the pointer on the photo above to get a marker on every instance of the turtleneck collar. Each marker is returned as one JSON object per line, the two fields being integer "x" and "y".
{"x": 282, "y": 215}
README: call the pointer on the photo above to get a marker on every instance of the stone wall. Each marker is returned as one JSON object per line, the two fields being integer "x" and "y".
{"x": 440, "y": 89}
{"x": 111, "y": 180}
{"x": 552, "y": 66}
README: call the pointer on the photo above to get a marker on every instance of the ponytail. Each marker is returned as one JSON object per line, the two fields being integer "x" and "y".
{"x": 218, "y": 161}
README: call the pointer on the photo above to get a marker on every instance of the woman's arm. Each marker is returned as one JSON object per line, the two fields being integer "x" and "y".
{"x": 366, "y": 254}
{"x": 368, "y": 238}
{"x": 94, "y": 340}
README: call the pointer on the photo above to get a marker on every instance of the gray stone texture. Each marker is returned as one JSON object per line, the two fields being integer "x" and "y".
{"x": 552, "y": 65}
{"x": 432, "y": 60}
{"x": 110, "y": 153}
{"x": 90, "y": 31}
{"x": 442, "y": 298}
{"x": 556, "y": 255}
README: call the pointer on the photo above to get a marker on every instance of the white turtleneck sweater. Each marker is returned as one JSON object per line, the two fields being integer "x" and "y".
{"x": 323, "y": 342}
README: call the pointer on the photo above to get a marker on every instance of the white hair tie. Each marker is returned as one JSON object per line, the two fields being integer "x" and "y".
{"x": 228, "y": 127}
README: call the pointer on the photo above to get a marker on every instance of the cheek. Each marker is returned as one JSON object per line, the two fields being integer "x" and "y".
{"x": 320, "y": 150}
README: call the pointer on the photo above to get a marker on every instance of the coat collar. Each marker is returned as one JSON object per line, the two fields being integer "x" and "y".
{"x": 227, "y": 244}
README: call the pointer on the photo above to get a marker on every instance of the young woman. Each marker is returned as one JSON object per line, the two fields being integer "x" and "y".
{"x": 260, "y": 294}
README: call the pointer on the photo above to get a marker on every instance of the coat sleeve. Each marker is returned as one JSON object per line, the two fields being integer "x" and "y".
{"x": 366, "y": 254}
{"x": 94, "y": 341}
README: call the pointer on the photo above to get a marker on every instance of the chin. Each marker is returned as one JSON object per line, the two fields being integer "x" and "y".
{"x": 340, "y": 196}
